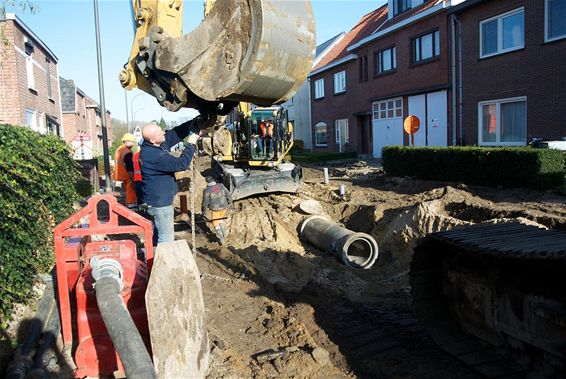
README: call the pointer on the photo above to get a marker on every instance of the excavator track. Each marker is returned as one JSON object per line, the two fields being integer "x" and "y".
{"x": 492, "y": 295}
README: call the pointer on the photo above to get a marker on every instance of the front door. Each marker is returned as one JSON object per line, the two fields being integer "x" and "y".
{"x": 387, "y": 126}
{"x": 431, "y": 109}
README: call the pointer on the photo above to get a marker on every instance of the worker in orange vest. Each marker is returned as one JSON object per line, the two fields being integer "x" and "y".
{"x": 137, "y": 175}
{"x": 266, "y": 130}
{"x": 124, "y": 168}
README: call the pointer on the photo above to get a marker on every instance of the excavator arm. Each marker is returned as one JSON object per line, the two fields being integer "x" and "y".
{"x": 257, "y": 51}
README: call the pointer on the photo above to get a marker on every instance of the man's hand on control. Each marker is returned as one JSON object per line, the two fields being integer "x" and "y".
{"x": 193, "y": 138}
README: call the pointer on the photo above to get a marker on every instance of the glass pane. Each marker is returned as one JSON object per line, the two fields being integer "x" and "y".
{"x": 436, "y": 43}
{"x": 390, "y": 113}
{"x": 426, "y": 46}
{"x": 417, "y": 49}
{"x": 394, "y": 57}
{"x": 383, "y": 114}
{"x": 556, "y": 18}
{"x": 398, "y": 103}
{"x": 489, "y": 123}
{"x": 514, "y": 122}
{"x": 513, "y": 28}
{"x": 489, "y": 37}
{"x": 383, "y": 105}
{"x": 387, "y": 60}
{"x": 398, "y": 112}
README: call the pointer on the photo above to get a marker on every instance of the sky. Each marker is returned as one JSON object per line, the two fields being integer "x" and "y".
{"x": 67, "y": 28}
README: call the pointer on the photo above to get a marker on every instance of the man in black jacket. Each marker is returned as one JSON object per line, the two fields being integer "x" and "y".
{"x": 158, "y": 169}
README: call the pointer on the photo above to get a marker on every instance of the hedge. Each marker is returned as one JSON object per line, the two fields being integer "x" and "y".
{"x": 37, "y": 191}
{"x": 498, "y": 166}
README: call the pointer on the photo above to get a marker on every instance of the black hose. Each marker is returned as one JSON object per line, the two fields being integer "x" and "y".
{"x": 22, "y": 362}
{"x": 46, "y": 352}
{"x": 123, "y": 332}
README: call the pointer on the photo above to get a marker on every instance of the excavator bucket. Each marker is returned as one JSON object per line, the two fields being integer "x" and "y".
{"x": 258, "y": 51}
{"x": 175, "y": 312}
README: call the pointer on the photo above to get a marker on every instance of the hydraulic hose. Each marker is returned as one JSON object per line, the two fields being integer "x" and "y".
{"x": 22, "y": 362}
{"x": 358, "y": 250}
{"x": 121, "y": 328}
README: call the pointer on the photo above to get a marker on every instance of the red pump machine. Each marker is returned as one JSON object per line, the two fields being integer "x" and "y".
{"x": 83, "y": 327}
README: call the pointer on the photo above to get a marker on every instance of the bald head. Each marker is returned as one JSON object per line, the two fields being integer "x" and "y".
{"x": 153, "y": 134}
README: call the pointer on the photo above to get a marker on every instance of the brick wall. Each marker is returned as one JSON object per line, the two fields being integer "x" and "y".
{"x": 536, "y": 71}
{"x": 408, "y": 78}
{"x": 16, "y": 95}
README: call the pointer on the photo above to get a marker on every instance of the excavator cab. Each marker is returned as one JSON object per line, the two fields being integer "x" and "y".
{"x": 269, "y": 134}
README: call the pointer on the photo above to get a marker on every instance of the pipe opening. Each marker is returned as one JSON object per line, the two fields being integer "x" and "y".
{"x": 359, "y": 252}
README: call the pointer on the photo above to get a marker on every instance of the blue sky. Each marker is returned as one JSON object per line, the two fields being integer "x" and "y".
{"x": 67, "y": 27}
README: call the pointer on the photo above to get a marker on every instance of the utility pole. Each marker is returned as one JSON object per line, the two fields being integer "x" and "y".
{"x": 108, "y": 188}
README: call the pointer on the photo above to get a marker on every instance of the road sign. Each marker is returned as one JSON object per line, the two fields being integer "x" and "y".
{"x": 138, "y": 134}
{"x": 411, "y": 126}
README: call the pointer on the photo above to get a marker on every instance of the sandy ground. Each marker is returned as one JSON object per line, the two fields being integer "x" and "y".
{"x": 279, "y": 307}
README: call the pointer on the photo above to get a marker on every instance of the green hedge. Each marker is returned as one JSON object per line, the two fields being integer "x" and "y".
{"x": 37, "y": 191}
{"x": 509, "y": 167}
{"x": 322, "y": 157}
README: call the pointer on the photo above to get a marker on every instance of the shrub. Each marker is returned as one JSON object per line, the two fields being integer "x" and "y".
{"x": 509, "y": 167}
{"x": 37, "y": 191}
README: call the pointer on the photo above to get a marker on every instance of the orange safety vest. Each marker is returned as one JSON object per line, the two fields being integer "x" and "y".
{"x": 269, "y": 130}
{"x": 137, "y": 167}
{"x": 120, "y": 172}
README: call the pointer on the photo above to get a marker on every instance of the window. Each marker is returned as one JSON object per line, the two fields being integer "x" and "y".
{"x": 48, "y": 72}
{"x": 321, "y": 136}
{"x": 342, "y": 126}
{"x": 340, "y": 82}
{"x": 502, "y": 34}
{"x": 29, "y": 70}
{"x": 363, "y": 68}
{"x": 555, "y": 19}
{"x": 390, "y": 108}
{"x": 31, "y": 119}
{"x": 386, "y": 60}
{"x": 426, "y": 47}
{"x": 503, "y": 122}
{"x": 400, "y": 6}
{"x": 319, "y": 89}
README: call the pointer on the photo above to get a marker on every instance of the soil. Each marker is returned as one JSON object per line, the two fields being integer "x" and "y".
{"x": 280, "y": 307}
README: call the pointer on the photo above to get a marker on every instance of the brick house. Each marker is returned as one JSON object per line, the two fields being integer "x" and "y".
{"x": 298, "y": 107}
{"x": 81, "y": 121}
{"x": 393, "y": 63}
{"x": 513, "y": 78}
{"x": 29, "y": 87}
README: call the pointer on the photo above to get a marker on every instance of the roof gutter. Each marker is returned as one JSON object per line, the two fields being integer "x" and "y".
{"x": 440, "y": 6}
{"x": 333, "y": 64}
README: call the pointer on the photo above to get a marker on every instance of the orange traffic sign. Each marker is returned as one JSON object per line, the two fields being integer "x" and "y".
{"x": 411, "y": 124}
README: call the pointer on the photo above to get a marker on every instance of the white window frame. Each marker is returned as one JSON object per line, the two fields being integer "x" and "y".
{"x": 340, "y": 82}
{"x": 499, "y": 19}
{"x": 435, "y": 38}
{"x": 546, "y": 37}
{"x": 337, "y": 127}
{"x": 497, "y": 103}
{"x": 317, "y": 125}
{"x": 319, "y": 88}
{"x": 29, "y": 72}
{"x": 384, "y": 106}
{"x": 379, "y": 60}
{"x": 33, "y": 115}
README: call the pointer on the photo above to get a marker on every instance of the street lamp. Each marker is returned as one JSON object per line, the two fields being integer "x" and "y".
{"x": 132, "y": 106}
{"x": 136, "y": 112}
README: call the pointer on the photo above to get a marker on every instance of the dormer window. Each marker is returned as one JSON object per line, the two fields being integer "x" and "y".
{"x": 400, "y": 6}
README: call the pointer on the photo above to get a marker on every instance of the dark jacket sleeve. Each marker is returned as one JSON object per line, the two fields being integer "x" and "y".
{"x": 169, "y": 163}
{"x": 228, "y": 196}
{"x": 176, "y": 135}
{"x": 128, "y": 161}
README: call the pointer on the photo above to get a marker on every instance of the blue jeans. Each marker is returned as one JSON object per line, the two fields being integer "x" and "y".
{"x": 162, "y": 220}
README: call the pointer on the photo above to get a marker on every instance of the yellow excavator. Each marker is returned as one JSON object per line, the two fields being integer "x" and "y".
{"x": 243, "y": 52}
{"x": 250, "y": 153}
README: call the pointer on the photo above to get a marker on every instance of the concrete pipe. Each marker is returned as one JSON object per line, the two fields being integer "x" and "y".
{"x": 358, "y": 250}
